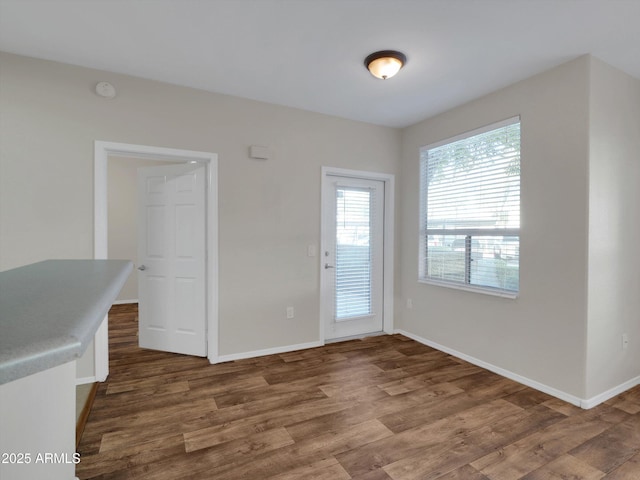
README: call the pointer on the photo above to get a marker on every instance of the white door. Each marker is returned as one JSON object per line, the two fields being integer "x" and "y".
{"x": 172, "y": 257}
{"x": 352, "y": 256}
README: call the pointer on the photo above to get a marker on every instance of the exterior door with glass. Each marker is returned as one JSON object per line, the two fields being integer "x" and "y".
{"x": 352, "y": 256}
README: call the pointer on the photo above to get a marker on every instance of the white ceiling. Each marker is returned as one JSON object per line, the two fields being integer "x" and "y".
{"x": 309, "y": 53}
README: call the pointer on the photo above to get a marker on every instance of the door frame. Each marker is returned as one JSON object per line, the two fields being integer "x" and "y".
{"x": 387, "y": 261}
{"x": 102, "y": 152}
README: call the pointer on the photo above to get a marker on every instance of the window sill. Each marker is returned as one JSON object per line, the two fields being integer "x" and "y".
{"x": 471, "y": 288}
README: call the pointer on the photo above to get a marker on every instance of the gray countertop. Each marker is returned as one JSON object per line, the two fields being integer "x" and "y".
{"x": 50, "y": 311}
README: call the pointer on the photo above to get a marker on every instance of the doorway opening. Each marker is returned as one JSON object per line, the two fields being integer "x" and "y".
{"x": 104, "y": 151}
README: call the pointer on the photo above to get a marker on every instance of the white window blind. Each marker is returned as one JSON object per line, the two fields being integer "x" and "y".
{"x": 353, "y": 252}
{"x": 470, "y": 209}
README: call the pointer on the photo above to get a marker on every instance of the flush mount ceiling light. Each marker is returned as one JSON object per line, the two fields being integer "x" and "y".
{"x": 385, "y": 64}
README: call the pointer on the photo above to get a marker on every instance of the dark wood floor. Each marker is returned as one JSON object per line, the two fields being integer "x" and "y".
{"x": 375, "y": 409}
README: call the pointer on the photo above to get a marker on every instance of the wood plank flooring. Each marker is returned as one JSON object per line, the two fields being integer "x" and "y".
{"x": 383, "y": 408}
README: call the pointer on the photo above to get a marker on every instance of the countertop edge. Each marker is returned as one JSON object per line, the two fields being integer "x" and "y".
{"x": 30, "y": 357}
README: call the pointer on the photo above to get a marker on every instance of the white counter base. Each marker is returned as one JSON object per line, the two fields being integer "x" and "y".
{"x": 36, "y": 425}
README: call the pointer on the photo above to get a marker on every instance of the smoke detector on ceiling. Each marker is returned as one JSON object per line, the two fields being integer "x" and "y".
{"x": 105, "y": 89}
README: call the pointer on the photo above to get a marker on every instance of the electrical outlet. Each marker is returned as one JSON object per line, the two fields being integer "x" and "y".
{"x": 409, "y": 303}
{"x": 625, "y": 341}
{"x": 290, "y": 313}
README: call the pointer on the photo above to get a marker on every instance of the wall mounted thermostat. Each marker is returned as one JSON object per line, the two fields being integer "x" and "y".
{"x": 258, "y": 152}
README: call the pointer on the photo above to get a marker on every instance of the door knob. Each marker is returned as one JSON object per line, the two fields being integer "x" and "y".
{"x": 326, "y": 265}
{"x": 142, "y": 268}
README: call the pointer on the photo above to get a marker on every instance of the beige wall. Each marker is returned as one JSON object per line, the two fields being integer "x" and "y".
{"x": 614, "y": 229}
{"x": 580, "y": 170}
{"x": 541, "y": 335}
{"x": 269, "y": 211}
{"x": 122, "y": 221}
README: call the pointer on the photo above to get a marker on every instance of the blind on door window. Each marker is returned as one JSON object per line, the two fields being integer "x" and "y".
{"x": 354, "y": 228}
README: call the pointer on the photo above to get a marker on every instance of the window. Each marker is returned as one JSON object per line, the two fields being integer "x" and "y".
{"x": 470, "y": 210}
{"x": 353, "y": 252}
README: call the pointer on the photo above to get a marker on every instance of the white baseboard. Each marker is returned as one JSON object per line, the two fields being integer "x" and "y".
{"x": 84, "y": 380}
{"x": 578, "y": 402}
{"x": 612, "y": 392}
{"x": 267, "y": 351}
{"x": 125, "y": 302}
